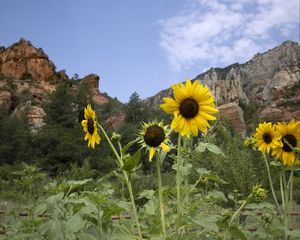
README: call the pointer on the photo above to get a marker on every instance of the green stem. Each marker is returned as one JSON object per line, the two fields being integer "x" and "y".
{"x": 281, "y": 190}
{"x": 186, "y": 182}
{"x": 193, "y": 187}
{"x": 178, "y": 183}
{"x": 286, "y": 195}
{"x": 290, "y": 186}
{"x": 284, "y": 200}
{"x": 161, "y": 203}
{"x": 271, "y": 185}
{"x": 100, "y": 230}
{"x": 128, "y": 183}
{"x": 111, "y": 145}
{"x": 234, "y": 216}
{"x": 133, "y": 205}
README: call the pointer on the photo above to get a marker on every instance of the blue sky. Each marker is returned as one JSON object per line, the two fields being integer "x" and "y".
{"x": 145, "y": 46}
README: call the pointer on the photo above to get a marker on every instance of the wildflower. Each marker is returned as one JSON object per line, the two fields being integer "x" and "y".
{"x": 266, "y": 138}
{"x": 258, "y": 194}
{"x": 153, "y": 135}
{"x": 89, "y": 125}
{"x": 290, "y": 137}
{"x": 204, "y": 180}
{"x": 250, "y": 143}
{"x": 192, "y": 106}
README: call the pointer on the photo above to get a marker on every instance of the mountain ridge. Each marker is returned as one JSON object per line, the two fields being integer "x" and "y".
{"x": 271, "y": 80}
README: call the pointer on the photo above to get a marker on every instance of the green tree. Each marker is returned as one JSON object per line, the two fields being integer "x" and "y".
{"x": 15, "y": 140}
{"x": 60, "y": 108}
{"x": 134, "y": 109}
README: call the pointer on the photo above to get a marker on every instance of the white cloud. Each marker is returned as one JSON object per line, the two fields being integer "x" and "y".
{"x": 220, "y": 32}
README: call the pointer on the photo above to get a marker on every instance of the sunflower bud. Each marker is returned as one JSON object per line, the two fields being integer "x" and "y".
{"x": 116, "y": 136}
{"x": 249, "y": 143}
{"x": 258, "y": 194}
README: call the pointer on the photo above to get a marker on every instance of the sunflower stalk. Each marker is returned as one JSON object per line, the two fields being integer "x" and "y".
{"x": 128, "y": 183}
{"x": 271, "y": 186}
{"x": 245, "y": 202}
{"x": 284, "y": 196}
{"x": 160, "y": 194}
{"x": 178, "y": 184}
{"x": 290, "y": 187}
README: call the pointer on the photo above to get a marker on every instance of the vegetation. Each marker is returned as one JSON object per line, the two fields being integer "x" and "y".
{"x": 209, "y": 186}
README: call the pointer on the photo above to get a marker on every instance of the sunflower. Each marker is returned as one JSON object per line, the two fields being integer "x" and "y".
{"x": 265, "y": 137}
{"x": 289, "y": 133}
{"x": 153, "y": 135}
{"x": 89, "y": 125}
{"x": 192, "y": 106}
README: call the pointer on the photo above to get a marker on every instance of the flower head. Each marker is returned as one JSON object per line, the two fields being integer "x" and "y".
{"x": 290, "y": 138}
{"x": 89, "y": 125}
{"x": 258, "y": 194}
{"x": 154, "y": 135}
{"x": 265, "y": 137}
{"x": 192, "y": 106}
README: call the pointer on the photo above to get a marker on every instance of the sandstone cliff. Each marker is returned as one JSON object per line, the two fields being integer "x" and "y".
{"x": 27, "y": 76}
{"x": 270, "y": 80}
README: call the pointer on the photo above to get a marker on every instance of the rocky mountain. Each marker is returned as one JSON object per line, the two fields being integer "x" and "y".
{"x": 267, "y": 86}
{"x": 27, "y": 76}
{"x": 270, "y": 81}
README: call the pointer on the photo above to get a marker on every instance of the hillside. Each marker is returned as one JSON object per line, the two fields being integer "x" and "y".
{"x": 267, "y": 87}
{"x": 270, "y": 82}
{"x": 27, "y": 77}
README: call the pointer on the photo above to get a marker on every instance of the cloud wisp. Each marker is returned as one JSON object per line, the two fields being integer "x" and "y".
{"x": 220, "y": 32}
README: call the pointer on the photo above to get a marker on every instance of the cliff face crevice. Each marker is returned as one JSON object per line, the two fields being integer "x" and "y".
{"x": 270, "y": 80}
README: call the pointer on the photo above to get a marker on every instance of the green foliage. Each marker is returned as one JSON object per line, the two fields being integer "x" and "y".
{"x": 135, "y": 112}
{"x": 244, "y": 167}
{"x": 59, "y": 109}
{"x": 15, "y": 141}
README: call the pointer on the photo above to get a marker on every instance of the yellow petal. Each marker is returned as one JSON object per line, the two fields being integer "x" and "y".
{"x": 178, "y": 94}
{"x": 165, "y": 147}
{"x": 170, "y": 105}
{"x": 151, "y": 153}
{"x": 208, "y": 109}
{"x": 207, "y": 116}
{"x": 189, "y": 88}
{"x": 194, "y": 127}
{"x": 98, "y": 139}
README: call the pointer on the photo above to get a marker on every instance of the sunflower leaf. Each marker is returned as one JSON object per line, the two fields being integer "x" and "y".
{"x": 127, "y": 146}
{"x": 130, "y": 162}
{"x": 210, "y": 147}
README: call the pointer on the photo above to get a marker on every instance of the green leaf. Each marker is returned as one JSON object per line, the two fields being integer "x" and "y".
{"x": 127, "y": 146}
{"x": 208, "y": 222}
{"x": 216, "y": 195}
{"x": 210, "y": 147}
{"x": 150, "y": 207}
{"x": 184, "y": 170}
{"x": 236, "y": 233}
{"x": 147, "y": 194}
{"x": 131, "y": 162}
{"x": 74, "y": 224}
{"x": 294, "y": 233}
{"x": 52, "y": 230}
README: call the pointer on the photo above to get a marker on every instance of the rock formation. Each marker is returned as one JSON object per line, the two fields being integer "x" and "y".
{"x": 270, "y": 80}
{"x": 27, "y": 76}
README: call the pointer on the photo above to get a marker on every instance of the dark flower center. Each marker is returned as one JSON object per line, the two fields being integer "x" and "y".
{"x": 291, "y": 139}
{"x": 90, "y": 126}
{"x": 189, "y": 108}
{"x": 267, "y": 138}
{"x": 154, "y": 136}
